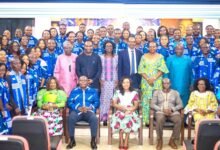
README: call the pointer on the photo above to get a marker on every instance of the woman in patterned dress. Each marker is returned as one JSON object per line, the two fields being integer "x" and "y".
{"x": 202, "y": 102}
{"x": 49, "y": 102}
{"x": 31, "y": 80}
{"x": 5, "y": 115}
{"x": 152, "y": 66}
{"x": 125, "y": 120}
{"x": 109, "y": 78}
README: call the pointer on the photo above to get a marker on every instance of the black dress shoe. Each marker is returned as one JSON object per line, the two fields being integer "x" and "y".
{"x": 193, "y": 142}
{"x": 146, "y": 125}
{"x": 71, "y": 144}
{"x": 105, "y": 123}
{"x": 93, "y": 144}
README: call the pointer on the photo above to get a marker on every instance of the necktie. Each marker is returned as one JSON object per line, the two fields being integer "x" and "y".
{"x": 132, "y": 62}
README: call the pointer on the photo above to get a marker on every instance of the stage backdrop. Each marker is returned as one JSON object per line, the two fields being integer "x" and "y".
{"x": 94, "y": 23}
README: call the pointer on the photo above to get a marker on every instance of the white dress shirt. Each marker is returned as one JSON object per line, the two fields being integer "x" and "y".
{"x": 130, "y": 59}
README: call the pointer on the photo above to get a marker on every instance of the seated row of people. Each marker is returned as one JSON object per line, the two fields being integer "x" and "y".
{"x": 84, "y": 100}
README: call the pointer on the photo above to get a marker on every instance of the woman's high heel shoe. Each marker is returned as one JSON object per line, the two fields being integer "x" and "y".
{"x": 121, "y": 147}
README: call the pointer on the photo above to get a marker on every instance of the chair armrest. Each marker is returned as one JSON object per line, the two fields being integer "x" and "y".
{"x": 140, "y": 111}
{"x": 111, "y": 109}
{"x": 61, "y": 110}
{"x": 66, "y": 111}
{"x": 110, "y": 112}
{"x": 151, "y": 118}
{"x": 151, "y": 127}
{"x": 190, "y": 117}
{"x": 182, "y": 113}
{"x": 190, "y": 114}
{"x": 97, "y": 112}
{"x": 152, "y": 114}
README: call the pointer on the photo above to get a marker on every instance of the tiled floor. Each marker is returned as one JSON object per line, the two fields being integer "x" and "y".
{"x": 83, "y": 141}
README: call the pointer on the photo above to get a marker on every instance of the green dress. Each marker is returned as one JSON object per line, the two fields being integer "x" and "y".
{"x": 150, "y": 68}
{"x": 53, "y": 117}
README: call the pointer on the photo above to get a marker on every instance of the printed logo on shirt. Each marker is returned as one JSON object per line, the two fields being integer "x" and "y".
{"x": 201, "y": 63}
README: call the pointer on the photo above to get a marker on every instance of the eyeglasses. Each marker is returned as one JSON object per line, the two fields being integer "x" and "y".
{"x": 88, "y": 45}
{"x": 166, "y": 83}
{"x": 67, "y": 47}
{"x": 83, "y": 80}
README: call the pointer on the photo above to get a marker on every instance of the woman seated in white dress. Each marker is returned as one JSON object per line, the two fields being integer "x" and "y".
{"x": 125, "y": 120}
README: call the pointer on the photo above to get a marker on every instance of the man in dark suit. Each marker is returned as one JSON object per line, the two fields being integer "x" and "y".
{"x": 89, "y": 64}
{"x": 128, "y": 61}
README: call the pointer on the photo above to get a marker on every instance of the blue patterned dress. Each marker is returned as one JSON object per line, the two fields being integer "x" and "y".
{"x": 5, "y": 122}
{"x": 204, "y": 67}
{"x": 3, "y": 126}
{"x": 216, "y": 83}
{"x": 50, "y": 58}
{"x": 32, "y": 83}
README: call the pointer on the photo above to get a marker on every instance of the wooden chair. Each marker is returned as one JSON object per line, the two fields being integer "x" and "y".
{"x": 79, "y": 125}
{"x": 191, "y": 125}
{"x": 140, "y": 130}
{"x": 168, "y": 125}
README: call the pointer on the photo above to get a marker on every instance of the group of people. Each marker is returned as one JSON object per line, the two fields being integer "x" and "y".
{"x": 90, "y": 69}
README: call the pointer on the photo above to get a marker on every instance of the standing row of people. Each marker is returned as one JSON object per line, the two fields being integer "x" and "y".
{"x": 103, "y": 62}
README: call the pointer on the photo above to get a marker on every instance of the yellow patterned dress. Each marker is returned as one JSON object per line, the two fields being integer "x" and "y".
{"x": 205, "y": 101}
{"x": 150, "y": 68}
